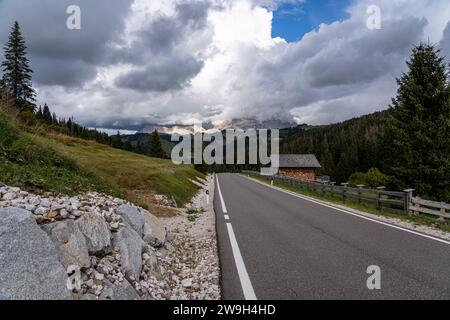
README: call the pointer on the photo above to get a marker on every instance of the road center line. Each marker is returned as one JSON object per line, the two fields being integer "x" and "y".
{"x": 246, "y": 284}
{"x": 349, "y": 212}
{"x": 224, "y": 207}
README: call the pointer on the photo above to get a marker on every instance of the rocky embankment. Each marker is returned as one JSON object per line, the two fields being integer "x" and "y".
{"x": 94, "y": 246}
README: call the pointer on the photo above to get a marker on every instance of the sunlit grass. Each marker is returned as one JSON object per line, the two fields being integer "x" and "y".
{"x": 128, "y": 171}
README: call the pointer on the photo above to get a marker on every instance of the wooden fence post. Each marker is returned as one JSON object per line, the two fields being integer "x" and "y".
{"x": 379, "y": 203}
{"x": 360, "y": 186}
{"x": 332, "y": 188}
{"x": 408, "y": 200}
{"x": 344, "y": 191}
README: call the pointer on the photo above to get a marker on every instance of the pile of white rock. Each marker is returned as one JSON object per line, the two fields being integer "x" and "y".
{"x": 192, "y": 261}
{"x": 121, "y": 251}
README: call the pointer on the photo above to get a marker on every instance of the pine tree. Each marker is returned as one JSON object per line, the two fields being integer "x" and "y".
{"x": 156, "y": 149}
{"x": 54, "y": 118}
{"x": 46, "y": 115}
{"x": 69, "y": 125}
{"x": 39, "y": 114}
{"x": 138, "y": 147}
{"x": 418, "y": 133}
{"x": 17, "y": 72}
{"x": 127, "y": 145}
{"x": 116, "y": 141}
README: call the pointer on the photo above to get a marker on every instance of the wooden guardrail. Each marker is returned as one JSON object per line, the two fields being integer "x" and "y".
{"x": 440, "y": 209}
{"x": 399, "y": 201}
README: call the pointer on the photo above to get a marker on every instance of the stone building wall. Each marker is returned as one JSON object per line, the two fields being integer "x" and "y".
{"x": 308, "y": 174}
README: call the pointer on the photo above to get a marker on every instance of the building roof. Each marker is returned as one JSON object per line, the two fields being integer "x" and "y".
{"x": 299, "y": 161}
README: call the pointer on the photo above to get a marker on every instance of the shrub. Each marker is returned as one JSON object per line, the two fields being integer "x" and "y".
{"x": 373, "y": 178}
{"x": 358, "y": 178}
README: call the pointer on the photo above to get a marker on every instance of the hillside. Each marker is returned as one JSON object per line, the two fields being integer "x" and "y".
{"x": 60, "y": 164}
{"x": 144, "y": 139}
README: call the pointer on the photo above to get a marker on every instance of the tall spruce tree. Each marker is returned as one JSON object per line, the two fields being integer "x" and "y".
{"x": 418, "y": 133}
{"x": 46, "y": 115}
{"x": 17, "y": 72}
{"x": 155, "y": 148}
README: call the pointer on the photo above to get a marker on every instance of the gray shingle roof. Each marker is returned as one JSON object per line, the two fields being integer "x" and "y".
{"x": 299, "y": 161}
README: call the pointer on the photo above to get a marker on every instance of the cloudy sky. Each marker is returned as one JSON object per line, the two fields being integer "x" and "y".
{"x": 140, "y": 62}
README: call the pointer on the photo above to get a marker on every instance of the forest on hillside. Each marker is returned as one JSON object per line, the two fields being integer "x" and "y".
{"x": 343, "y": 148}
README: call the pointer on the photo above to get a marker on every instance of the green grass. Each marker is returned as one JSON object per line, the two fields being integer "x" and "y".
{"x": 132, "y": 173}
{"x": 363, "y": 206}
{"x": 27, "y": 163}
{"x": 48, "y": 162}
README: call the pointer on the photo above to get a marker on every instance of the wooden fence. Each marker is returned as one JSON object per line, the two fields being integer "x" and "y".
{"x": 398, "y": 201}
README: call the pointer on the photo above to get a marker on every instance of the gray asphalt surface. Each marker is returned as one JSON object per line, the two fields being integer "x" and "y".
{"x": 296, "y": 249}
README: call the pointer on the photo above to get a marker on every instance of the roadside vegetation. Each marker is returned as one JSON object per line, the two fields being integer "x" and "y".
{"x": 132, "y": 173}
{"x": 363, "y": 206}
{"x": 28, "y": 163}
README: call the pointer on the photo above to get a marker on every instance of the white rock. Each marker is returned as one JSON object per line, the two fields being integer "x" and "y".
{"x": 10, "y": 196}
{"x": 186, "y": 283}
{"x": 41, "y": 211}
{"x": 99, "y": 276}
{"x": 63, "y": 213}
{"x": 45, "y": 203}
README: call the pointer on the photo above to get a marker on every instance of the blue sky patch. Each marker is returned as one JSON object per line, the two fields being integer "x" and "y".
{"x": 292, "y": 21}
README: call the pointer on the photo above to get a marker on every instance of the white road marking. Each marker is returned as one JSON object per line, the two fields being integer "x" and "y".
{"x": 351, "y": 213}
{"x": 227, "y": 217}
{"x": 246, "y": 284}
{"x": 224, "y": 207}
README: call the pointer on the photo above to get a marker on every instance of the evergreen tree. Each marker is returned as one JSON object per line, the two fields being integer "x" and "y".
{"x": 46, "y": 115}
{"x": 17, "y": 72}
{"x": 116, "y": 141}
{"x": 2, "y": 86}
{"x": 69, "y": 125}
{"x": 156, "y": 149}
{"x": 418, "y": 133}
{"x": 127, "y": 145}
{"x": 54, "y": 118}
{"x": 138, "y": 147}
{"x": 39, "y": 114}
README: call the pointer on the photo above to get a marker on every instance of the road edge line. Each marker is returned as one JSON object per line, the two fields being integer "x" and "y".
{"x": 244, "y": 278}
{"x": 348, "y": 212}
{"x": 224, "y": 207}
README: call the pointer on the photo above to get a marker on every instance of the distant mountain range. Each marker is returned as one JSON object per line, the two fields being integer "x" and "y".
{"x": 244, "y": 124}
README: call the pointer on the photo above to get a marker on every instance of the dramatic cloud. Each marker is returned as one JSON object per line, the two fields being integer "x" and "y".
{"x": 162, "y": 54}
{"x": 142, "y": 62}
{"x": 61, "y": 56}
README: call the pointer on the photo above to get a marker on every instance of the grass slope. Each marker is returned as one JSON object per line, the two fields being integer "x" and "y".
{"x": 28, "y": 163}
{"x": 135, "y": 175}
{"x": 60, "y": 164}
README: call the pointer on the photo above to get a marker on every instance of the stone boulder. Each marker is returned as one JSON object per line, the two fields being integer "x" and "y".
{"x": 133, "y": 217}
{"x": 29, "y": 265}
{"x": 154, "y": 233}
{"x": 130, "y": 246}
{"x": 96, "y": 231}
{"x": 70, "y": 242}
{"x": 119, "y": 292}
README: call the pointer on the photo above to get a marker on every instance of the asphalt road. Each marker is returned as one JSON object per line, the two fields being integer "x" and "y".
{"x": 292, "y": 248}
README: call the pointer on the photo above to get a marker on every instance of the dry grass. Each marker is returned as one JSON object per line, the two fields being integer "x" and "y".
{"x": 137, "y": 176}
